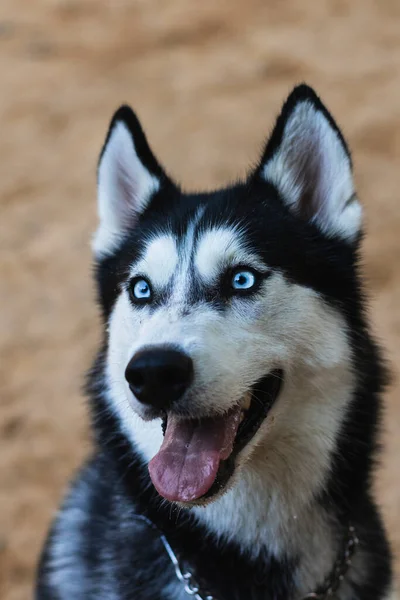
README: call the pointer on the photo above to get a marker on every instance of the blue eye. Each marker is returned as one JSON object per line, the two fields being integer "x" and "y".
{"x": 243, "y": 280}
{"x": 140, "y": 290}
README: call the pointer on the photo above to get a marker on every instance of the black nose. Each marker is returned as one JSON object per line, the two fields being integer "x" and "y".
{"x": 159, "y": 376}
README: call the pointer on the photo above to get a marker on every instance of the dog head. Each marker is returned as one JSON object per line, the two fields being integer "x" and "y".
{"x": 227, "y": 341}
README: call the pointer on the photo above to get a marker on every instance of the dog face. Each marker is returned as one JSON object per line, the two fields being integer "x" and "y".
{"x": 227, "y": 343}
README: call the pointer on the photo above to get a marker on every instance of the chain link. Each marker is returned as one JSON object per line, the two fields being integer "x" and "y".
{"x": 189, "y": 583}
{"x": 328, "y": 589}
{"x": 342, "y": 565}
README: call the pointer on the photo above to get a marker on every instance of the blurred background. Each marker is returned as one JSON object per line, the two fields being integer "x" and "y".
{"x": 207, "y": 80}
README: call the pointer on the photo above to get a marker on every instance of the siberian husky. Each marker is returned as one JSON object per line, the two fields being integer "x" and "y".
{"x": 236, "y": 397}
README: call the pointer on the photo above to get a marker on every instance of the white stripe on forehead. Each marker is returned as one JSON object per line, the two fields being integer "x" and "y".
{"x": 159, "y": 260}
{"x": 183, "y": 274}
{"x": 219, "y": 248}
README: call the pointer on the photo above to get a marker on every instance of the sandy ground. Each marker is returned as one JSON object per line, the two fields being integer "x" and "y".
{"x": 206, "y": 79}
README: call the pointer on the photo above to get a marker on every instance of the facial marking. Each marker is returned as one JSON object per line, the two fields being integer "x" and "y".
{"x": 159, "y": 261}
{"x": 219, "y": 248}
{"x": 183, "y": 272}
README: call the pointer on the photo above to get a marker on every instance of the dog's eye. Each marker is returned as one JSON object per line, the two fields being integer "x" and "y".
{"x": 243, "y": 280}
{"x": 140, "y": 290}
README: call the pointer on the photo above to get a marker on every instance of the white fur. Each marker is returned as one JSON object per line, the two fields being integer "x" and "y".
{"x": 393, "y": 595}
{"x": 218, "y": 248}
{"x": 312, "y": 159}
{"x": 159, "y": 261}
{"x": 175, "y": 591}
{"x": 125, "y": 187}
{"x": 288, "y": 461}
{"x": 65, "y": 568}
{"x": 183, "y": 274}
{"x": 289, "y": 327}
{"x": 64, "y": 571}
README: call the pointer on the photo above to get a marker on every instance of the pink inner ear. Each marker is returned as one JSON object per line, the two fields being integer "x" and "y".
{"x": 129, "y": 188}
{"x": 312, "y": 170}
{"x": 125, "y": 187}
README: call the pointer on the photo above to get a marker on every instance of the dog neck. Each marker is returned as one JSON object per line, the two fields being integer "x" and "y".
{"x": 331, "y": 585}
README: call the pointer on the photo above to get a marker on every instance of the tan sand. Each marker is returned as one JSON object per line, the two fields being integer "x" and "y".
{"x": 207, "y": 79}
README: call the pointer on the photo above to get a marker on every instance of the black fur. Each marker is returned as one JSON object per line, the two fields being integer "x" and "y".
{"x": 118, "y": 485}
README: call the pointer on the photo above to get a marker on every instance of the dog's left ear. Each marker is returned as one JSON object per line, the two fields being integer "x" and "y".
{"x": 308, "y": 161}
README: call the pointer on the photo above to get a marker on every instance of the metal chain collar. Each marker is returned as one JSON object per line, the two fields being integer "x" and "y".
{"x": 327, "y": 590}
{"x": 341, "y": 566}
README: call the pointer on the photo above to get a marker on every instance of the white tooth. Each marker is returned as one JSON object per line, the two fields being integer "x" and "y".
{"x": 242, "y": 415}
{"x": 247, "y": 402}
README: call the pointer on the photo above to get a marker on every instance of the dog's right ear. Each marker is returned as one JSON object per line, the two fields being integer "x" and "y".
{"x": 128, "y": 176}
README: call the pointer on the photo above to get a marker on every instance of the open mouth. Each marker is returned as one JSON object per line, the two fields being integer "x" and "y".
{"x": 197, "y": 456}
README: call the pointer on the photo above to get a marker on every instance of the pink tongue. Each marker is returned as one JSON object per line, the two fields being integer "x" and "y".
{"x": 187, "y": 463}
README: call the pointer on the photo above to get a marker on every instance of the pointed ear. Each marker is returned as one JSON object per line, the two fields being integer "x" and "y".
{"x": 308, "y": 161}
{"x": 128, "y": 176}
